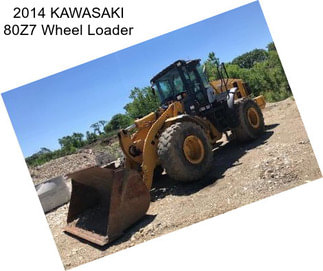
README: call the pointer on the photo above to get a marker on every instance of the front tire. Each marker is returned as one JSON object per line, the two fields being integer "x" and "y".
{"x": 185, "y": 152}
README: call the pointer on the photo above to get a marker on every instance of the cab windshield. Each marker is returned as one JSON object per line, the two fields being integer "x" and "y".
{"x": 169, "y": 85}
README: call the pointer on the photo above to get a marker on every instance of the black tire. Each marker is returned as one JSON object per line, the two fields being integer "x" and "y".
{"x": 158, "y": 171}
{"x": 249, "y": 127}
{"x": 171, "y": 152}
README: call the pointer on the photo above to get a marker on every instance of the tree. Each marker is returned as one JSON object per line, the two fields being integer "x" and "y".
{"x": 91, "y": 137}
{"x": 271, "y": 47}
{"x": 262, "y": 71}
{"x": 97, "y": 128}
{"x": 102, "y": 123}
{"x": 119, "y": 121}
{"x": 66, "y": 143}
{"x": 108, "y": 128}
{"x": 77, "y": 140}
{"x": 249, "y": 59}
{"x": 266, "y": 77}
{"x": 44, "y": 150}
{"x": 212, "y": 59}
{"x": 71, "y": 143}
{"x": 143, "y": 102}
{"x": 211, "y": 67}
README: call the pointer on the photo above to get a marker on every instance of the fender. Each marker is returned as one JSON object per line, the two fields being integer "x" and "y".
{"x": 209, "y": 127}
{"x": 186, "y": 117}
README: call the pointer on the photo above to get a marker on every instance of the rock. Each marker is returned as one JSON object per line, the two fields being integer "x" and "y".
{"x": 53, "y": 193}
{"x": 303, "y": 142}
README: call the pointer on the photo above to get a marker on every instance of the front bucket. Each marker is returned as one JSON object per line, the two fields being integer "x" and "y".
{"x": 105, "y": 202}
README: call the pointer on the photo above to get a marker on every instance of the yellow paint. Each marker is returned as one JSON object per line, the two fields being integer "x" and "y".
{"x": 193, "y": 149}
{"x": 145, "y": 138}
{"x": 253, "y": 117}
{"x": 150, "y": 157}
{"x": 260, "y": 100}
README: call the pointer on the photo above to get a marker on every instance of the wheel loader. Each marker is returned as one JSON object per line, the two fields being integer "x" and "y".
{"x": 178, "y": 137}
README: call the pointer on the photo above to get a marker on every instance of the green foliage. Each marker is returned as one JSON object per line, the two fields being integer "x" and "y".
{"x": 91, "y": 137}
{"x": 44, "y": 150}
{"x": 249, "y": 59}
{"x": 271, "y": 47}
{"x": 118, "y": 121}
{"x": 71, "y": 143}
{"x": 143, "y": 102}
{"x": 77, "y": 140}
{"x": 98, "y": 127}
{"x": 265, "y": 76}
{"x": 111, "y": 133}
{"x": 108, "y": 128}
{"x": 210, "y": 67}
{"x": 41, "y": 157}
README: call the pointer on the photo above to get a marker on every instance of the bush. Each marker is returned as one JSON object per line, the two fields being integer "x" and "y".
{"x": 265, "y": 76}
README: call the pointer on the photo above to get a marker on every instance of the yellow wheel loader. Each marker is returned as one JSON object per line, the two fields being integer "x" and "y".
{"x": 178, "y": 137}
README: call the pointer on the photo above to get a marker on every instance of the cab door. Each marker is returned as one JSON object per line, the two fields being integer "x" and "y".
{"x": 196, "y": 85}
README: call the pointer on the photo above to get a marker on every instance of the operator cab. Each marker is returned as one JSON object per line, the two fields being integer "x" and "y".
{"x": 182, "y": 79}
{"x": 186, "y": 81}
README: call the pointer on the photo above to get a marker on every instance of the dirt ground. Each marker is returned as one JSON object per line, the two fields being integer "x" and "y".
{"x": 281, "y": 159}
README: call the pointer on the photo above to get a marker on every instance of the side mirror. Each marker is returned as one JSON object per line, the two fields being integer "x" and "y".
{"x": 153, "y": 91}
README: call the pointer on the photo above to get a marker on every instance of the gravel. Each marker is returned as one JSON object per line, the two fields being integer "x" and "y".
{"x": 281, "y": 159}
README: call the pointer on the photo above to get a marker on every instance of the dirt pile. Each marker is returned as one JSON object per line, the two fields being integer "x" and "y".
{"x": 101, "y": 152}
{"x": 63, "y": 165}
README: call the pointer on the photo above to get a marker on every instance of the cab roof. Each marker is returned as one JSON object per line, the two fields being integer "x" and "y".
{"x": 171, "y": 66}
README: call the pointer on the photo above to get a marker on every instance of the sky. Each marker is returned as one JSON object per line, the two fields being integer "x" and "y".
{"x": 70, "y": 101}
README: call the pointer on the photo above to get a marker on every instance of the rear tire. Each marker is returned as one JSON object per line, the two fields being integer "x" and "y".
{"x": 185, "y": 152}
{"x": 251, "y": 121}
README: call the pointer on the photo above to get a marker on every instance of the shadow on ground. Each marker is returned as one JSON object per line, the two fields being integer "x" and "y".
{"x": 225, "y": 157}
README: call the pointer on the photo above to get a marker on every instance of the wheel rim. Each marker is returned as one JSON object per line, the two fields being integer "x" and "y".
{"x": 193, "y": 149}
{"x": 253, "y": 117}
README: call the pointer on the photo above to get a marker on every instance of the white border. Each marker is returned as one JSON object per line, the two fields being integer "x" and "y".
{"x": 283, "y": 232}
